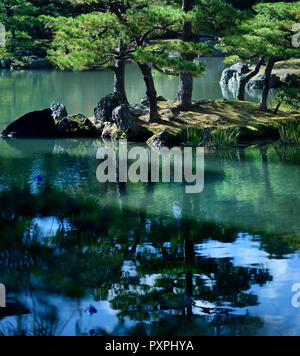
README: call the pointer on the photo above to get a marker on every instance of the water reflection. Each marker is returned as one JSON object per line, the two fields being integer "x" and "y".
{"x": 119, "y": 259}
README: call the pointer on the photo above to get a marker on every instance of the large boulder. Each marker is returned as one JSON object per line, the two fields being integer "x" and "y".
{"x": 258, "y": 82}
{"x": 290, "y": 79}
{"x": 234, "y": 82}
{"x": 124, "y": 119}
{"x": 226, "y": 76}
{"x": 105, "y": 107}
{"x": 34, "y": 124}
{"x": 234, "y": 73}
{"x": 77, "y": 126}
{"x": 59, "y": 111}
{"x": 241, "y": 68}
{"x": 163, "y": 139}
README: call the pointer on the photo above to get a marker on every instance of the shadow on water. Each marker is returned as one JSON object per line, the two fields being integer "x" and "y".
{"x": 142, "y": 259}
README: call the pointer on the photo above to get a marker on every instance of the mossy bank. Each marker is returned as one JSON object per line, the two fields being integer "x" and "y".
{"x": 205, "y": 116}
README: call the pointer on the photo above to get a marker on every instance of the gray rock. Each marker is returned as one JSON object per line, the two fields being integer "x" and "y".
{"x": 40, "y": 63}
{"x": 34, "y": 124}
{"x": 138, "y": 110}
{"x": 258, "y": 82}
{"x": 226, "y": 76}
{"x": 59, "y": 111}
{"x": 233, "y": 82}
{"x": 123, "y": 118}
{"x": 5, "y": 64}
{"x": 109, "y": 131}
{"x": 290, "y": 79}
{"x": 162, "y": 98}
{"x": 234, "y": 73}
{"x": 145, "y": 100}
{"x": 105, "y": 107}
{"x": 163, "y": 139}
{"x": 77, "y": 126}
{"x": 241, "y": 68}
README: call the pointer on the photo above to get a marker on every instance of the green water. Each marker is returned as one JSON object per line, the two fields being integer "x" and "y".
{"x": 148, "y": 257}
{"x": 80, "y": 257}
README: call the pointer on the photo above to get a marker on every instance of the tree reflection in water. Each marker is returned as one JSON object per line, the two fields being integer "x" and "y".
{"x": 171, "y": 288}
{"x": 148, "y": 262}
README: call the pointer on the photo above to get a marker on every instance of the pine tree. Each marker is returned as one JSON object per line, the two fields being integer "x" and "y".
{"x": 18, "y": 17}
{"x": 185, "y": 92}
{"x": 22, "y": 22}
{"x": 125, "y": 31}
{"x": 267, "y": 35}
{"x": 204, "y": 19}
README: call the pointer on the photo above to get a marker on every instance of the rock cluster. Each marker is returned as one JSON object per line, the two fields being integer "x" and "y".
{"x": 231, "y": 76}
{"x": 112, "y": 119}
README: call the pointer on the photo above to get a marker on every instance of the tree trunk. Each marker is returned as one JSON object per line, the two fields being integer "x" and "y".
{"x": 277, "y": 108}
{"x": 119, "y": 81}
{"x": 151, "y": 92}
{"x": 189, "y": 255}
{"x": 185, "y": 92}
{"x": 245, "y": 79}
{"x": 13, "y": 40}
{"x": 266, "y": 90}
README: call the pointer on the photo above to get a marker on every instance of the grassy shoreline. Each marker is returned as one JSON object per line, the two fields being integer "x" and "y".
{"x": 254, "y": 124}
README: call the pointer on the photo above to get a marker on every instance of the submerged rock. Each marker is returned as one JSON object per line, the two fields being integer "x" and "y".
{"x": 34, "y": 124}
{"x": 105, "y": 107}
{"x": 163, "y": 139}
{"x": 59, "y": 111}
{"x": 78, "y": 126}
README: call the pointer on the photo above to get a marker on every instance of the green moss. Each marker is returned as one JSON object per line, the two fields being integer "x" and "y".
{"x": 254, "y": 125}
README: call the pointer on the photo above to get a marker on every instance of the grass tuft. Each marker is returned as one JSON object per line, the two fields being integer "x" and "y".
{"x": 225, "y": 137}
{"x": 290, "y": 133}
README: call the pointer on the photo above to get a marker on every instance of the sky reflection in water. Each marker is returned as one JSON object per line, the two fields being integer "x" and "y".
{"x": 152, "y": 259}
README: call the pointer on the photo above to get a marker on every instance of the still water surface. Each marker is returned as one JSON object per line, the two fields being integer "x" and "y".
{"x": 155, "y": 261}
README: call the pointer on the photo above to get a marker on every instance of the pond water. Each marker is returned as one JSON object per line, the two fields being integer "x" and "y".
{"x": 80, "y": 257}
{"x": 26, "y": 91}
